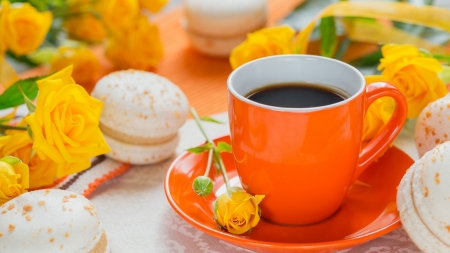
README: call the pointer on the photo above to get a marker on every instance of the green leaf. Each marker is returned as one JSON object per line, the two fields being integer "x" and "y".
{"x": 444, "y": 75}
{"x": 200, "y": 149}
{"x": 328, "y": 42}
{"x": 21, "y": 58}
{"x": 224, "y": 147}
{"x": 42, "y": 55}
{"x": 12, "y": 96}
{"x": 209, "y": 119}
{"x": 30, "y": 133}
{"x": 30, "y": 106}
{"x": 10, "y": 160}
{"x": 342, "y": 49}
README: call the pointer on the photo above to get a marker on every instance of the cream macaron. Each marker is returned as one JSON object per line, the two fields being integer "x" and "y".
{"x": 51, "y": 221}
{"x": 423, "y": 200}
{"x": 215, "y": 27}
{"x": 433, "y": 125}
{"x": 141, "y": 115}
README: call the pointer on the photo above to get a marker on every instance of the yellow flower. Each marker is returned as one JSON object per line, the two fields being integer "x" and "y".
{"x": 237, "y": 211}
{"x": 23, "y": 27}
{"x": 13, "y": 178}
{"x": 414, "y": 74}
{"x": 18, "y": 143}
{"x": 152, "y": 5}
{"x": 118, "y": 15}
{"x": 85, "y": 26}
{"x": 262, "y": 43}
{"x": 85, "y": 65}
{"x": 3, "y": 9}
{"x": 65, "y": 124}
{"x": 379, "y": 112}
{"x": 139, "y": 47}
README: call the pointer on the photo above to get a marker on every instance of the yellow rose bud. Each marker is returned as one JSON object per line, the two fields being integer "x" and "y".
{"x": 65, "y": 124}
{"x": 414, "y": 74}
{"x": 262, "y": 43}
{"x": 13, "y": 178}
{"x": 118, "y": 15}
{"x": 18, "y": 143}
{"x": 86, "y": 66}
{"x": 237, "y": 211}
{"x": 23, "y": 27}
{"x": 152, "y": 5}
{"x": 139, "y": 47}
{"x": 86, "y": 26}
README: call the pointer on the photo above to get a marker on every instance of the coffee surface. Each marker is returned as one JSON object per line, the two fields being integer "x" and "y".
{"x": 296, "y": 95}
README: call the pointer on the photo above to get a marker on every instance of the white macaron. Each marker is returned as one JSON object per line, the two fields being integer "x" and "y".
{"x": 215, "y": 27}
{"x": 141, "y": 115}
{"x": 433, "y": 125}
{"x": 51, "y": 221}
{"x": 423, "y": 200}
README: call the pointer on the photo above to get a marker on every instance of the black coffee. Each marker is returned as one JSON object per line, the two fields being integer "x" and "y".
{"x": 296, "y": 95}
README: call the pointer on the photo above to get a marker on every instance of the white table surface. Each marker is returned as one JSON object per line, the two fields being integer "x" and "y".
{"x": 138, "y": 218}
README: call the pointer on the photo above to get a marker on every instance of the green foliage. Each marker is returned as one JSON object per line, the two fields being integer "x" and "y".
{"x": 200, "y": 149}
{"x": 224, "y": 147}
{"x": 328, "y": 40}
{"x": 10, "y": 160}
{"x": 12, "y": 96}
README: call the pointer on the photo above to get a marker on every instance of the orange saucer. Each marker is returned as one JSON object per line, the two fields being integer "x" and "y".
{"x": 368, "y": 210}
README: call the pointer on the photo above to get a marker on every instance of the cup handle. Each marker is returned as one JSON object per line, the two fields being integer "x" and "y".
{"x": 380, "y": 142}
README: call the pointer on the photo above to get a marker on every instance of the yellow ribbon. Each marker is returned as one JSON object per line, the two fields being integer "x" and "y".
{"x": 429, "y": 16}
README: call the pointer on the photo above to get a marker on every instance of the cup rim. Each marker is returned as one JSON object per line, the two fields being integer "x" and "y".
{"x": 291, "y": 109}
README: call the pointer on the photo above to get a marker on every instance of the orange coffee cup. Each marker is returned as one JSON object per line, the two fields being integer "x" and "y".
{"x": 304, "y": 159}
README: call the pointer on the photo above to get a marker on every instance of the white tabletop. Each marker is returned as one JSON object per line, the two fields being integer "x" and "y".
{"x": 138, "y": 218}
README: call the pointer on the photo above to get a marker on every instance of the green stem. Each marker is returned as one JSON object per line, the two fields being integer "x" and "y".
{"x": 442, "y": 57}
{"x": 216, "y": 154}
{"x": 208, "y": 166}
{"x": 23, "y": 128}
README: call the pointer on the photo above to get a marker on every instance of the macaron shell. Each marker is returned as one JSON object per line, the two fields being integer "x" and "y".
{"x": 218, "y": 18}
{"x": 424, "y": 239}
{"x": 140, "y": 154}
{"x": 140, "y": 103}
{"x": 431, "y": 191}
{"x": 49, "y": 221}
{"x": 433, "y": 125}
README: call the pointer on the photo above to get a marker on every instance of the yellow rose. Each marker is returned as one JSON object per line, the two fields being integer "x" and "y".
{"x": 65, "y": 124}
{"x": 152, "y": 5}
{"x": 237, "y": 211}
{"x": 2, "y": 34}
{"x": 379, "y": 112}
{"x": 85, "y": 65}
{"x": 139, "y": 48}
{"x": 118, "y": 15}
{"x": 84, "y": 26}
{"x": 262, "y": 43}
{"x": 13, "y": 178}
{"x": 414, "y": 74}
{"x": 23, "y": 27}
{"x": 18, "y": 143}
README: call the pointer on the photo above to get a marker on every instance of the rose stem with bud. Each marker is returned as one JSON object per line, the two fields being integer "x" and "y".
{"x": 216, "y": 154}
